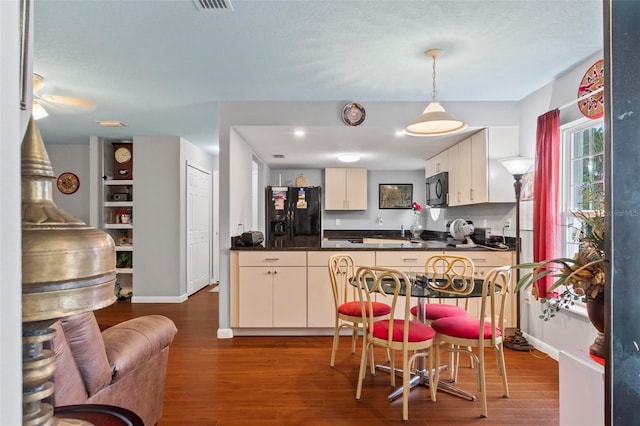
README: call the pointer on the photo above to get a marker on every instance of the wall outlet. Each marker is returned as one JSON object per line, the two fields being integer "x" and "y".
{"x": 507, "y": 224}
{"x": 380, "y": 221}
{"x": 337, "y": 222}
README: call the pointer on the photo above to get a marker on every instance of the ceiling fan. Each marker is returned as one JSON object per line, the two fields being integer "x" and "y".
{"x": 44, "y": 104}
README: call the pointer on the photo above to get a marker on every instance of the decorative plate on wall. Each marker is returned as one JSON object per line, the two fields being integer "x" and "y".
{"x": 592, "y": 106}
{"x": 68, "y": 183}
{"x": 353, "y": 114}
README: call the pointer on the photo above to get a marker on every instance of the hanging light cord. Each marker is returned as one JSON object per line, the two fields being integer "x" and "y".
{"x": 434, "y": 93}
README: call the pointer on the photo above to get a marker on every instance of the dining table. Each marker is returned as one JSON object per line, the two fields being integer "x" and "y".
{"x": 423, "y": 289}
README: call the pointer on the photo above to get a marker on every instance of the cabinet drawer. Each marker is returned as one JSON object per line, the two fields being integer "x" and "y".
{"x": 486, "y": 258}
{"x": 272, "y": 258}
{"x": 321, "y": 258}
{"x": 403, "y": 258}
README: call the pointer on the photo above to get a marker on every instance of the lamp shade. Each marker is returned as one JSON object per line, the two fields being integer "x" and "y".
{"x": 434, "y": 121}
{"x": 517, "y": 165}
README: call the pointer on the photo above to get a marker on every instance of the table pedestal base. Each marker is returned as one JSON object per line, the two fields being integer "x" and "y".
{"x": 421, "y": 378}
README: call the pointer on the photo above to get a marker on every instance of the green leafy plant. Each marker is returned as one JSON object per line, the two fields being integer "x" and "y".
{"x": 581, "y": 277}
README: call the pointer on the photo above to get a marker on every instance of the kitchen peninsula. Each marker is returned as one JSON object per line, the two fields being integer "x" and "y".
{"x": 287, "y": 291}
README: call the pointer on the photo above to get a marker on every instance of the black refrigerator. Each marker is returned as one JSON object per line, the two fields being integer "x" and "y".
{"x": 293, "y": 216}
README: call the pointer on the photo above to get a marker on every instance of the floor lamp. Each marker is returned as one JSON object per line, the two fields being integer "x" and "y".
{"x": 517, "y": 166}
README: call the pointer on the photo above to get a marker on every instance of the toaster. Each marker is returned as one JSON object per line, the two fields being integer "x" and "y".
{"x": 252, "y": 238}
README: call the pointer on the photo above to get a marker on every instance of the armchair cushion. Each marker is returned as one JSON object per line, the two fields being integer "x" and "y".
{"x": 85, "y": 341}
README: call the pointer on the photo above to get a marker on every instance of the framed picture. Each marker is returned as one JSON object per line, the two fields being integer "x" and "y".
{"x": 395, "y": 196}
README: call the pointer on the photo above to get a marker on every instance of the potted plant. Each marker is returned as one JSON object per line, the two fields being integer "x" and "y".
{"x": 122, "y": 215}
{"x": 580, "y": 277}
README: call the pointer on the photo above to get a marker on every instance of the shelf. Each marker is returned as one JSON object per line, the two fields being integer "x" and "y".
{"x": 118, "y": 226}
{"x": 116, "y": 182}
{"x": 118, "y": 203}
{"x": 128, "y": 247}
{"x": 124, "y": 270}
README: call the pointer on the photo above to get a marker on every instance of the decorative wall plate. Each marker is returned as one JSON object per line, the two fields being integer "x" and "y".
{"x": 68, "y": 183}
{"x": 592, "y": 106}
{"x": 353, "y": 114}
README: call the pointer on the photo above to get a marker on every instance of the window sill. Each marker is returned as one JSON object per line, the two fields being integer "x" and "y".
{"x": 578, "y": 309}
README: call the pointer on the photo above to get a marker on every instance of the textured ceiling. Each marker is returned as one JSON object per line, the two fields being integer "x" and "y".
{"x": 163, "y": 66}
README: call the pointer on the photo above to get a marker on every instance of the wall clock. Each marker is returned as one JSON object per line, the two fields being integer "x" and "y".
{"x": 68, "y": 183}
{"x": 353, "y": 114}
{"x": 592, "y": 106}
{"x": 122, "y": 161}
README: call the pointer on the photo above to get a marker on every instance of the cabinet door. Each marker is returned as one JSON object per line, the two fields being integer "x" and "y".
{"x": 356, "y": 188}
{"x": 479, "y": 163}
{"x": 335, "y": 189}
{"x": 437, "y": 164}
{"x": 255, "y": 296}
{"x": 455, "y": 196}
{"x": 290, "y": 296}
{"x": 320, "y": 304}
{"x": 465, "y": 156}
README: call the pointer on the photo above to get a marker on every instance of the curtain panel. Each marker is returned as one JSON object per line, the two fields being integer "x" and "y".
{"x": 546, "y": 188}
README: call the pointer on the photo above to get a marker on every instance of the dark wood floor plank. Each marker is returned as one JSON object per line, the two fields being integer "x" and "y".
{"x": 285, "y": 381}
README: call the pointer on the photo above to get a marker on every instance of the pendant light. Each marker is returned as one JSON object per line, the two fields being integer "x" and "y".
{"x": 434, "y": 121}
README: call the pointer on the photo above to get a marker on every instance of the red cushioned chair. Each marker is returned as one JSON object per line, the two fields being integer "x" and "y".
{"x": 459, "y": 334}
{"x": 347, "y": 305}
{"x": 413, "y": 338}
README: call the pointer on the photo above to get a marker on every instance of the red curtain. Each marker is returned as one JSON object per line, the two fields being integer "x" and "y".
{"x": 546, "y": 188}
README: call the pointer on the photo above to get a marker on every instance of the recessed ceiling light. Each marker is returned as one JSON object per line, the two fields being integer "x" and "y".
{"x": 105, "y": 123}
{"x": 348, "y": 158}
{"x": 299, "y": 133}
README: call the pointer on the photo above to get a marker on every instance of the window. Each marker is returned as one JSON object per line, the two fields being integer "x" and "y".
{"x": 583, "y": 169}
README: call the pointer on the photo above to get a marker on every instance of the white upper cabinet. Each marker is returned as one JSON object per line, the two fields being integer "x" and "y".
{"x": 475, "y": 174}
{"x": 437, "y": 164}
{"x": 345, "y": 188}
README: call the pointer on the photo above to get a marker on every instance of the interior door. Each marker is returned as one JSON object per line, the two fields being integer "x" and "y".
{"x": 198, "y": 228}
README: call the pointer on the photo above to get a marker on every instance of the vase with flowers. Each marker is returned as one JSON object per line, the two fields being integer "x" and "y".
{"x": 416, "y": 228}
{"x": 581, "y": 277}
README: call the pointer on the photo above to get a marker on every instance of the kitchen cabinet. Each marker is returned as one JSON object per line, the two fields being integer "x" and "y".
{"x": 272, "y": 289}
{"x": 483, "y": 262}
{"x": 345, "y": 188}
{"x": 437, "y": 164}
{"x": 320, "y": 303}
{"x": 475, "y": 173}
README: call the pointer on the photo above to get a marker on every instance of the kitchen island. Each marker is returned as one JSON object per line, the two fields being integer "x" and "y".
{"x": 287, "y": 291}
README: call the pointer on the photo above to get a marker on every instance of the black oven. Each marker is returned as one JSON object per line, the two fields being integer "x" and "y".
{"x": 438, "y": 190}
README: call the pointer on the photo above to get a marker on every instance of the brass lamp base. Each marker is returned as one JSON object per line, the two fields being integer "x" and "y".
{"x": 518, "y": 342}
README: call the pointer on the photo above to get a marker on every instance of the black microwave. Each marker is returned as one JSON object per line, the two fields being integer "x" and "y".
{"x": 438, "y": 190}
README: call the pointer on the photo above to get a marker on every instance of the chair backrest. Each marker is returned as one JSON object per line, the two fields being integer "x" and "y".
{"x": 450, "y": 274}
{"x": 341, "y": 271}
{"x": 495, "y": 292}
{"x": 375, "y": 283}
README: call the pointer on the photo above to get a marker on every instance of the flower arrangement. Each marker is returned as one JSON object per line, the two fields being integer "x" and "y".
{"x": 580, "y": 277}
{"x": 417, "y": 208}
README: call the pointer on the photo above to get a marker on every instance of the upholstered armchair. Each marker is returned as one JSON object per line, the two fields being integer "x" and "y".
{"x": 124, "y": 365}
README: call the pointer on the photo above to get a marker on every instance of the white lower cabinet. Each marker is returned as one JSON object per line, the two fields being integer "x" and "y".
{"x": 272, "y": 290}
{"x": 320, "y": 303}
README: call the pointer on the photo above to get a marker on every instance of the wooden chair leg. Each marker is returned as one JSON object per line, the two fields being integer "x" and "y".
{"x": 482, "y": 385}
{"x": 363, "y": 367}
{"x": 502, "y": 370}
{"x": 334, "y": 348}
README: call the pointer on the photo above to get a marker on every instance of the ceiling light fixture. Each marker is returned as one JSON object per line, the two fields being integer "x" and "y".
{"x": 434, "y": 121}
{"x": 299, "y": 133}
{"x": 38, "y": 111}
{"x": 104, "y": 123}
{"x": 348, "y": 158}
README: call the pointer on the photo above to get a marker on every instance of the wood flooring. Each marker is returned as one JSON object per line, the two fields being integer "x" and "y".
{"x": 287, "y": 381}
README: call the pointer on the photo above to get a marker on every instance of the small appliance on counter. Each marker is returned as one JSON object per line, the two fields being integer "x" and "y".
{"x": 252, "y": 238}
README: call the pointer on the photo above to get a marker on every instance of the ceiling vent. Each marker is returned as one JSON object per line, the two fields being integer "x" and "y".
{"x": 213, "y": 4}
{"x": 278, "y": 155}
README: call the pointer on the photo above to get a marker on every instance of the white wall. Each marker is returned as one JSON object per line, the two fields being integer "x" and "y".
{"x": 568, "y": 329}
{"x": 12, "y": 128}
{"x": 75, "y": 159}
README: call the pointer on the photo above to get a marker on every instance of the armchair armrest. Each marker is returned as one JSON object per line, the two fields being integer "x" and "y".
{"x": 131, "y": 343}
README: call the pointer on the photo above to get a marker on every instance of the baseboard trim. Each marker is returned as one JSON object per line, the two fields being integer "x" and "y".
{"x": 543, "y": 347}
{"x": 159, "y": 299}
{"x": 225, "y": 333}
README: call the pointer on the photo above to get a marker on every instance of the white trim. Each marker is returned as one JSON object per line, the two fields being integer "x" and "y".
{"x": 159, "y": 299}
{"x": 542, "y": 346}
{"x": 225, "y": 333}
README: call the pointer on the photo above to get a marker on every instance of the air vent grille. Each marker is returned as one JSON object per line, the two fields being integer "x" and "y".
{"x": 213, "y": 4}
{"x": 278, "y": 155}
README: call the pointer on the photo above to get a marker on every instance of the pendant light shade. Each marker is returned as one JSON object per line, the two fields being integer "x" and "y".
{"x": 434, "y": 121}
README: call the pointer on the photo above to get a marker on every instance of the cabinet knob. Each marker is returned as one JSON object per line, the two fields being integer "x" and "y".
{"x": 268, "y": 272}
{"x": 275, "y": 272}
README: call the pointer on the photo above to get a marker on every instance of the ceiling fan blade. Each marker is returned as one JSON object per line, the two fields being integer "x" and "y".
{"x": 67, "y": 100}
